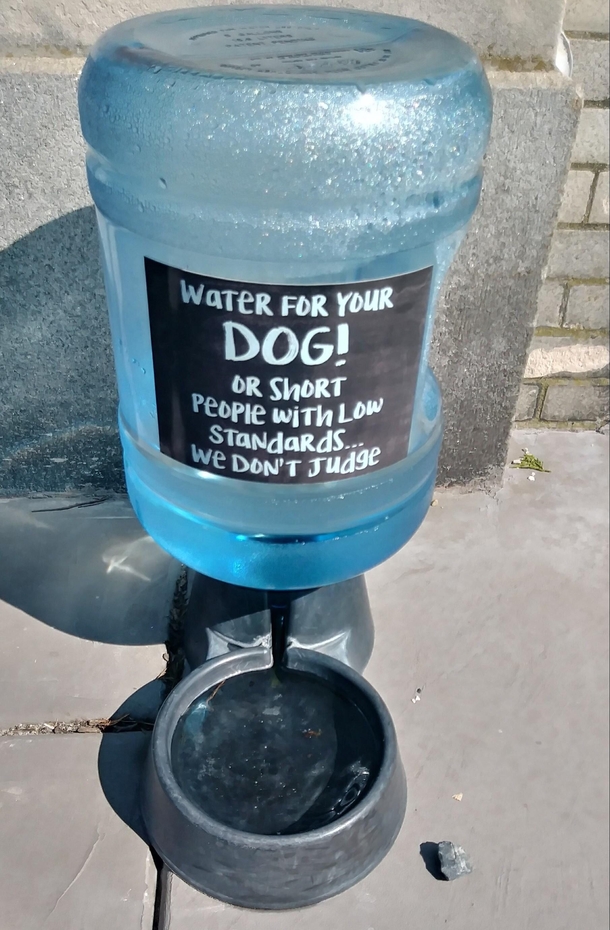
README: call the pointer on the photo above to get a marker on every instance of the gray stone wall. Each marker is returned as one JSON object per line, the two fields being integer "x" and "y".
{"x": 566, "y": 375}
{"x": 57, "y": 393}
{"x": 523, "y": 32}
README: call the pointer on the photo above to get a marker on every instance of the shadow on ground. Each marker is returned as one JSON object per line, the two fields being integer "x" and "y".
{"x": 57, "y": 387}
{"x": 120, "y": 769}
{"x": 121, "y": 762}
{"x": 429, "y": 853}
{"x": 85, "y": 566}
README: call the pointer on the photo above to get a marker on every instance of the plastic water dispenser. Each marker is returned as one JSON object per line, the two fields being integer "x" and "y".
{"x": 280, "y": 192}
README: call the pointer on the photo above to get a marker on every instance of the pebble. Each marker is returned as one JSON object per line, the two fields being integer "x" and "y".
{"x": 453, "y": 860}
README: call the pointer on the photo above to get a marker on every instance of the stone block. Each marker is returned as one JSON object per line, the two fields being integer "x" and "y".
{"x": 577, "y": 401}
{"x": 575, "y": 197}
{"x": 578, "y": 253}
{"x": 591, "y": 144}
{"x": 57, "y": 388}
{"x": 488, "y": 304}
{"x": 526, "y": 402}
{"x": 557, "y": 355}
{"x": 67, "y": 861}
{"x": 550, "y": 298}
{"x": 85, "y": 597}
{"x": 43, "y": 173}
{"x": 523, "y": 578}
{"x": 588, "y": 306}
{"x": 600, "y": 209}
{"x": 68, "y": 410}
{"x": 587, "y": 16}
{"x": 591, "y": 71}
{"x": 526, "y": 32}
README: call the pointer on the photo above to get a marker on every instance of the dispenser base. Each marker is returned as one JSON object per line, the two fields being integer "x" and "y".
{"x": 334, "y": 620}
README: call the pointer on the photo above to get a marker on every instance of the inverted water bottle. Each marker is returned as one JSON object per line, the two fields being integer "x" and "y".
{"x": 280, "y": 191}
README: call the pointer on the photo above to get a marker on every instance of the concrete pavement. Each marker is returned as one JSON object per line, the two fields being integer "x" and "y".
{"x": 497, "y": 610}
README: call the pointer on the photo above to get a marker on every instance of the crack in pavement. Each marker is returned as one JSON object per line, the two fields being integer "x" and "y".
{"x": 99, "y": 836}
{"x": 123, "y": 724}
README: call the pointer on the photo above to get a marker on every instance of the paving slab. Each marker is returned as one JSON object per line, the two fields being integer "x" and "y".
{"x": 498, "y": 611}
{"x": 67, "y": 861}
{"x": 85, "y": 597}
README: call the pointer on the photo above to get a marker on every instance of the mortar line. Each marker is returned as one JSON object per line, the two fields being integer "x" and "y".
{"x": 588, "y": 166}
{"x": 572, "y": 426}
{"x": 579, "y": 334}
{"x": 540, "y": 401}
{"x": 586, "y": 227}
{"x": 56, "y": 52}
{"x": 563, "y": 307}
{"x": 587, "y": 34}
{"x": 592, "y": 193}
{"x": 573, "y": 281}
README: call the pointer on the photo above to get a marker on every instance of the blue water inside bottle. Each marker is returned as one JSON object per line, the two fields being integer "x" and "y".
{"x": 277, "y": 147}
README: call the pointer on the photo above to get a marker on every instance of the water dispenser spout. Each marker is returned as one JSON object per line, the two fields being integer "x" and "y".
{"x": 280, "y": 619}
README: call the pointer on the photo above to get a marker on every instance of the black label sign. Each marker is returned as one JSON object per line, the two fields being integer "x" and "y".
{"x": 288, "y": 384}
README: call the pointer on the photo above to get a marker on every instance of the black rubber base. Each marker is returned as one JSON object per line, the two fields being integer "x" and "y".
{"x": 334, "y": 620}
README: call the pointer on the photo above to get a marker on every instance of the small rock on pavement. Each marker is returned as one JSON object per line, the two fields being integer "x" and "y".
{"x": 454, "y": 861}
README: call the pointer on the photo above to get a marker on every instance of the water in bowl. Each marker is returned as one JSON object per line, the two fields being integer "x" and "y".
{"x": 275, "y": 752}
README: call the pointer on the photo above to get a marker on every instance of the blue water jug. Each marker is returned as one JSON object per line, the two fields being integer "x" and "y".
{"x": 280, "y": 191}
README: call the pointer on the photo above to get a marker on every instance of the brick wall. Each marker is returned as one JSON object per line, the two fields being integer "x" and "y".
{"x": 566, "y": 376}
